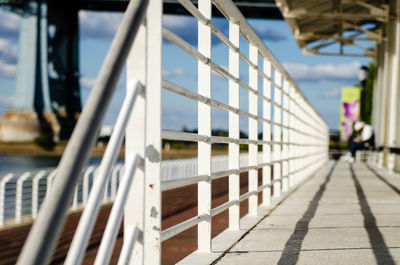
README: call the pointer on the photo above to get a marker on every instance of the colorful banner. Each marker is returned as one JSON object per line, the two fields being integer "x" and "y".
{"x": 349, "y": 111}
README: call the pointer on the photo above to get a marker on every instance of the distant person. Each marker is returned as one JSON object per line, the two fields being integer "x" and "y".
{"x": 364, "y": 137}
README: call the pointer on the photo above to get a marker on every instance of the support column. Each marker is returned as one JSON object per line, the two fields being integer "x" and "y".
{"x": 63, "y": 64}
{"x": 377, "y": 94}
{"x": 394, "y": 50}
{"x": 381, "y": 137}
{"x": 30, "y": 114}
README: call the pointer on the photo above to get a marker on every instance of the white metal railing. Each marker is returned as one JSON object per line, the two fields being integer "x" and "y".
{"x": 294, "y": 140}
{"x": 299, "y": 135}
{"x": 21, "y": 195}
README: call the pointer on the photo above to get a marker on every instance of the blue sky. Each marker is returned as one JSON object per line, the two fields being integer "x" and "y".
{"x": 319, "y": 77}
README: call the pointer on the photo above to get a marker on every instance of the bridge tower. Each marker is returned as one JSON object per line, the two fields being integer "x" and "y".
{"x": 47, "y": 95}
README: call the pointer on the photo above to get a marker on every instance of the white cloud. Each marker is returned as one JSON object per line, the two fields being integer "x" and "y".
{"x": 8, "y": 51}
{"x": 7, "y": 70}
{"x": 170, "y": 73}
{"x": 6, "y": 101}
{"x": 9, "y": 26}
{"x": 87, "y": 82}
{"x": 100, "y": 25}
{"x": 331, "y": 94}
{"x": 304, "y": 72}
{"x": 269, "y": 33}
{"x": 178, "y": 22}
{"x": 184, "y": 26}
{"x": 8, "y": 58}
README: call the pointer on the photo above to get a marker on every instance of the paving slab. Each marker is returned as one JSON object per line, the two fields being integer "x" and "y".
{"x": 351, "y": 216}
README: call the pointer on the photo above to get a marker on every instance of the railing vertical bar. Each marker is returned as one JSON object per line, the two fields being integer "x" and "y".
{"x": 131, "y": 236}
{"x": 106, "y": 188}
{"x": 297, "y": 137}
{"x": 135, "y": 140}
{"x": 75, "y": 198}
{"x": 204, "y": 128}
{"x": 89, "y": 215}
{"x": 50, "y": 180}
{"x": 35, "y": 193}
{"x": 253, "y": 131}
{"x": 133, "y": 163}
{"x": 152, "y": 207}
{"x": 234, "y": 128}
{"x": 291, "y": 136}
{"x": 285, "y": 136}
{"x": 277, "y": 133}
{"x": 303, "y": 128}
{"x": 86, "y": 184}
{"x": 3, "y": 183}
{"x": 266, "y": 171}
{"x": 19, "y": 196}
{"x": 113, "y": 188}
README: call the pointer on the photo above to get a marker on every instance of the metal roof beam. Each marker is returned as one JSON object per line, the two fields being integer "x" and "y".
{"x": 308, "y": 37}
{"x": 374, "y": 9}
{"x": 370, "y": 33}
{"x": 369, "y": 54}
{"x": 303, "y": 14}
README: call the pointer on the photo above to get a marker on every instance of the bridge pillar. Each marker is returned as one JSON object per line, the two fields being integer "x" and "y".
{"x": 30, "y": 114}
{"x": 47, "y": 93}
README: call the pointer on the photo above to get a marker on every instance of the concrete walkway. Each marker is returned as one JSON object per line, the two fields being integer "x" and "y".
{"x": 345, "y": 214}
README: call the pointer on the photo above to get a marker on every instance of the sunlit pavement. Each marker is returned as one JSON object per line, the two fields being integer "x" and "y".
{"x": 345, "y": 214}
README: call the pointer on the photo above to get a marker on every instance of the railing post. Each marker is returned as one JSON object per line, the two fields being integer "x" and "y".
{"x": 266, "y": 171}
{"x": 75, "y": 198}
{"x": 135, "y": 141}
{"x": 303, "y": 131}
{"x": 204, "y": 128}
{"x": 86, "y": 183}
{"x": 3, "y": 183}
{"x": 277, "y": 134}
{"x": 19, "y": 196}
{"x": 50, "y": 180}
{"x": 393, "y": 93}
{"x": 253, "y": 131}
{"x": 285, "y": 136}
{"x": 152, "y": 185}
{"x": 35, "y": 193}
{"x": 296, "y": 136}
{"x": 291, "y": 136}
{"x": 234, "y": 129}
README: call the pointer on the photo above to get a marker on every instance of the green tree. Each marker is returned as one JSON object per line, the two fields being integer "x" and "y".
{"x": 368, "y": 100}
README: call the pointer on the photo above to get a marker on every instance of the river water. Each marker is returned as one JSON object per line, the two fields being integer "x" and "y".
{"x": 24, "y": 163}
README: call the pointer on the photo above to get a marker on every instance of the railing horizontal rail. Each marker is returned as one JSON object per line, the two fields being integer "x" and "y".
{"x": 178, "y": 183}
{"x": 223, "y": 207}
{"x": 176, "y": 229}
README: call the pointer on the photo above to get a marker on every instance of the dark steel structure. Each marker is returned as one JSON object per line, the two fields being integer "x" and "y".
{"x": 48, "y": 68}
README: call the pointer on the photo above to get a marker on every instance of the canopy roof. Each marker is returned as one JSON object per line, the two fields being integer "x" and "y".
{"x": 328, "y": 26}
{"x": 249, "y": 8}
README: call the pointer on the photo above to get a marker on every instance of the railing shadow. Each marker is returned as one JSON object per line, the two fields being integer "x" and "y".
{"x": 292, "y": 249}
{"x": 376, "y": 239}
{"x": 394, "y": 188}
